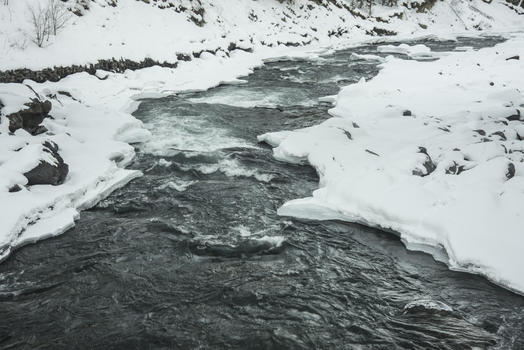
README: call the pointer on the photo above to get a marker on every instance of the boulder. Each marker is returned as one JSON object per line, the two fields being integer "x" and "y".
{"x": 30, "y": 118}
{"x": 428, "y": 164}
{"x": 50, "y": 171}
{"x": 510, "y": 172}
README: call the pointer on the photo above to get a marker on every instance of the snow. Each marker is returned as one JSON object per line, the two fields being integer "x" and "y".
{"x": 94, "y": 129}
{"x": 14, "y": 97}
{"x": 418, "y": 52}
{"x": 460, "y": 120}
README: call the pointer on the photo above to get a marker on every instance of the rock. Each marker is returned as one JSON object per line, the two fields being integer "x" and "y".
{"x": 514, "y": 116}
{"x": 380, "y": 32}
{"x": 373, "y": 153}
{"x": 242, "y": 249}
{"x": 510, "y": 172}
{"x": 407, "y": 113}
{"x": 40, "y": 130}
{"x": 480, "y": 132}
{"x": 455, "y": 169}
{"x": 46, "y": 173}
{"x": 30, "y": 118}
{"x": 427, "y": 306}
{"x": 183, "y": 57}
{"x": 15, "y": 188}
{"x": 428, "y": 164}
{"x": 500, "y": 134}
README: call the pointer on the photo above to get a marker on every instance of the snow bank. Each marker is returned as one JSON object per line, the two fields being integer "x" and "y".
{"x": 86, "y": 138}
{"x": 431, "y": 150}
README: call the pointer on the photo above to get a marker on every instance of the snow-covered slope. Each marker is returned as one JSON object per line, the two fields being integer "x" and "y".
{"x": 431, "y": 150}
{"x": 138, "y": 29}
{"x": 90, "y": 120}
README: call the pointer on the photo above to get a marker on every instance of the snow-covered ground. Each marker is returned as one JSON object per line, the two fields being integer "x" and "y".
{"x": 93, "y": 127}
{"x": 431, "y": 150}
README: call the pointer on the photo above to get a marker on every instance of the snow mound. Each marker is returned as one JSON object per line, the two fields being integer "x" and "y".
{"x": 86, "y": 138}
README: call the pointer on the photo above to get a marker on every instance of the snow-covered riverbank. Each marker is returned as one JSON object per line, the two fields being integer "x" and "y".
{"x": 431, "y": 150}
{"x": 93, "y": 128}
{"x": 91, "y": 121}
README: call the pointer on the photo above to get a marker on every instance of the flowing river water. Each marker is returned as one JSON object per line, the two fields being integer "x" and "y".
{"x": 193, "y": 256}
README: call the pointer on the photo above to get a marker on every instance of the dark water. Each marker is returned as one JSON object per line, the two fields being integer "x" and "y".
{"x": 181, "y": 258}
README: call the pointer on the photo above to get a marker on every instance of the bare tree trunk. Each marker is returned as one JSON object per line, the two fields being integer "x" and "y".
{"x": 40, "y": 20}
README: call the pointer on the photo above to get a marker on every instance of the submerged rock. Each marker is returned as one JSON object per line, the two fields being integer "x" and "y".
{"x": 244, "y": 248}
{"x": 51, "y": 170}
{"x": 427, "y": 306}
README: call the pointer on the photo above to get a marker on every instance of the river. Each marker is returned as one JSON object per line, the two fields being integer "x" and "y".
{"x": 193, "y": 256}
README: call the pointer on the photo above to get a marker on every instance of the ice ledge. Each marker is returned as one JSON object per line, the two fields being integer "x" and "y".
{"x": 59, "y": 215}
{"x": 311, "y": 209}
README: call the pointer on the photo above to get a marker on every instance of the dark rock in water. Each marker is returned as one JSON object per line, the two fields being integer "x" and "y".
{"x": 510, "y": 173}
{"x": 407, "y": 113}
{"x": 164, "y": 226}
{"x": 30, "y": 118}
{"x": 46, "y": 173}
{"x": 427, "y": 306}
{"x": 243, "y": 249}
